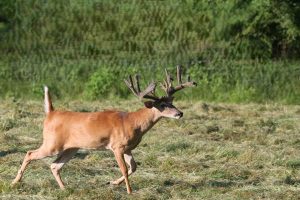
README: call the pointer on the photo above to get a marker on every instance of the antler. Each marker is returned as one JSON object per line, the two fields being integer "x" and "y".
{"x": 148, "y": 93}
{"x": 167, "y": 85}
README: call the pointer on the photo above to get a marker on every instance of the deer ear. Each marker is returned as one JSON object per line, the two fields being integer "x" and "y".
{"x": 148, "y": 104}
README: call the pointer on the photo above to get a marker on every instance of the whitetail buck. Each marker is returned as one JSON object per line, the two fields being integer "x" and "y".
{"x": 66, "y": 132}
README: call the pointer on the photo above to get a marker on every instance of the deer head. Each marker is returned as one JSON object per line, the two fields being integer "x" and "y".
{"x": 163, "y": 105}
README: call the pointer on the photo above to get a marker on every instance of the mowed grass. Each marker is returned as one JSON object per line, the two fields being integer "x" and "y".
{"x": 216, "y": 151}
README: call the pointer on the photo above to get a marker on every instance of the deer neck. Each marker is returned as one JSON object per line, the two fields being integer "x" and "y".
{"x": 144, "y": 119}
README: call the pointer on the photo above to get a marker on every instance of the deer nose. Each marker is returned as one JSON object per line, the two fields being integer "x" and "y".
{"x": 180, "y": 114}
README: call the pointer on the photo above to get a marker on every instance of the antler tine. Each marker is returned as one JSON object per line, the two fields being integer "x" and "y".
{"x": 189, "y": 78}
{"x": 153, "y": 91}
{"x": 167, "y": 85}
{"x": 137, "y": 81}
{"x": 130, "y": 85}
{"x": 137, "y": 91}
{"x": 189, "y": 83}
{"x": 148, "y": 90}
{"x": 164, "y": 86}
{"x": 169, "y": 79}
{"x": 179, "y": 74}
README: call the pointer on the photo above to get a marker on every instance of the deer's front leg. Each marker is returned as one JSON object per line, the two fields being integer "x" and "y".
{"x": 132, "y": 168}
{"x": 120, "y": 159}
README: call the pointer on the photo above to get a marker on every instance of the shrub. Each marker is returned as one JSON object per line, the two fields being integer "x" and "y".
{"x": 102, "y": 83}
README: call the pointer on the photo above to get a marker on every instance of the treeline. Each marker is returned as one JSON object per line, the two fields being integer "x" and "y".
{"x": 142, "y": 30}
{"x": 67, "y": 42}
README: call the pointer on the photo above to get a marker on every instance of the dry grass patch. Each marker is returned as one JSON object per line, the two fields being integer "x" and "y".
{"x": 217, "y": 151}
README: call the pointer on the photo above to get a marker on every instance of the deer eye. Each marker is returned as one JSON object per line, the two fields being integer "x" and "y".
{"x": 163, "y": 105}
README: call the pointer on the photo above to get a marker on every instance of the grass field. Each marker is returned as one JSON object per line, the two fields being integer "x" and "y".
{"x": 237, "y": 51}
{"x": 216, "y": 151}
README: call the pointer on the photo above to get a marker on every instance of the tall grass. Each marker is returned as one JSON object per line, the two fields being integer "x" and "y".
{"x": 230, "y": 81}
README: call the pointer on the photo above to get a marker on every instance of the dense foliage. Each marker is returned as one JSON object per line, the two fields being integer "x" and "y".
{"x": 145, "y": 30}
{"x": 232, "y": 47}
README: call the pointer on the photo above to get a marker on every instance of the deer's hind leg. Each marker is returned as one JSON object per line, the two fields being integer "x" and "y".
{"x": 37, "y": 154}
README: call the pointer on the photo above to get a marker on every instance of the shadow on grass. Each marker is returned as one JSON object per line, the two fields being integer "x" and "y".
{"x": 81, "y": 155}
{"x": 291, "y": 181}
{"x": 7, "y": 152}
{"x": 216, "y": 183}
{"x": 200, "y": 184}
